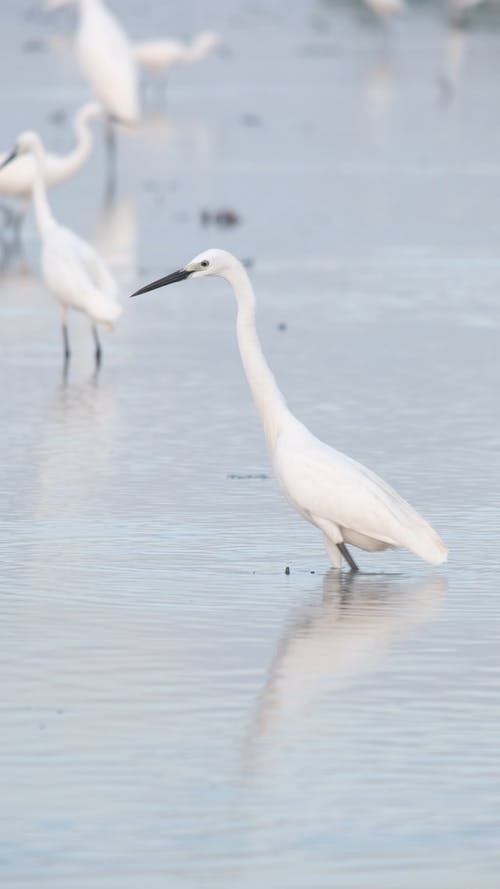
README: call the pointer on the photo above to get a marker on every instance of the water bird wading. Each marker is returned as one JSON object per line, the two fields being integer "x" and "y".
{"x": 345, "y": 500}
{"x": 161, "y": 55}
{"x": 17, "y": 178}
{"x": 72, "y": 269}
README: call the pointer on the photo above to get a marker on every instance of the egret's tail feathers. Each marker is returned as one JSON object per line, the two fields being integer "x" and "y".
{"x": 429, "y": 547}
{"x": 105, "y": 311}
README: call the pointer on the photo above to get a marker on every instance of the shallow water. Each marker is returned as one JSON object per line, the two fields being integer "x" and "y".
{"x": 175, "y": 710}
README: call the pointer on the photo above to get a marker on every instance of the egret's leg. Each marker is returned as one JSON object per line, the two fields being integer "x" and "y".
{"x": 111, "y": 152}
{"x": 67, "y": 350}
{"x": 347, "y": 556}
{"x": 98, "y": 350}
{"x": 333, "y": 552}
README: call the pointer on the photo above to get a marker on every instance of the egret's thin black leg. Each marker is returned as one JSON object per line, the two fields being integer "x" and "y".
{"x": 98, "y": 350}
{"x": 347, "y": 556}
{"x": 67, "y": 350}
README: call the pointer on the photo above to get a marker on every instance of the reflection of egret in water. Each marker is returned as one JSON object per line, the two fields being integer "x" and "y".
{"x": 115, "y": 237}
{"x": 453, "y": 62}
{"x": 74, "y": 450}
{"x": 190, "y": 137}
{"x": 379, "y": 85}
{"x": 335, "y": 640}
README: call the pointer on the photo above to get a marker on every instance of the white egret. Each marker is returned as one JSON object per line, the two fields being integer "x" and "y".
{"x": 106, "y": 59}
{"x": 17, "y": 178}
{"x": 384, "y": 9}
{"x": 72, "y": 269}
{"x": 345, "y": 500}
{"x": 161, "y": 55}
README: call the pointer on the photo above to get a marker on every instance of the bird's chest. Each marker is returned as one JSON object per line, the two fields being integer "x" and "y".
{"x": 293, "y": 476}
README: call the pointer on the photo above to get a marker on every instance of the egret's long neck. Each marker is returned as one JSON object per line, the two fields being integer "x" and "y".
{"x": 77, "y": 157}
{"x": 43, "y": 213}
{"x": 269, "y": 401}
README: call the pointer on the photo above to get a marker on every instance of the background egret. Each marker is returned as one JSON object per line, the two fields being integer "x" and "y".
{"x": 345, "y": 500}
{"x": 72, "y": 269}
{"x": 384, "y": 9}
{"x": 161, "y": 55}
{"x": 17, "y": 177}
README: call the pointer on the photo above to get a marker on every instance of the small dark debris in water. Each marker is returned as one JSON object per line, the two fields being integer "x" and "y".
{"x": 312, "y": 572}
{"x": 251, "y": 120}
{"x": 281, "y": 325}
{"x": 258, "y": 475}
{"x": 249, "y": 262}
{"x": 57, "y": 117}
{"x": 222, "y": 218}
{"x": 287, "y": 570}
{"x": 33, "y": 45}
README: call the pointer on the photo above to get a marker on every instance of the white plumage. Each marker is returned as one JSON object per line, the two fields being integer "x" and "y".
{"x": 72, "y": 269}
{"x": 384, "y": 9}
{"x": 345, "y": 500}
{"x": 17, "y": 178}
{"x": 107, "y": 61}
{"x": 161, "y": 55}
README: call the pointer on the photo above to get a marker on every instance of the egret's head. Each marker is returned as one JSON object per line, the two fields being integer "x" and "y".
{"x": 26, "y": 143}
{"x": 211, "y": 262}
{"x": 207, "y": 41}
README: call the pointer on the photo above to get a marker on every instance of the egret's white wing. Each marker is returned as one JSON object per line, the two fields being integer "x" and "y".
{"x": 105, "y": 54}
{"x": 158, "y": 54}
{"x": 328, "y": 485}
{"x": 94, "y": 266}
{"x": 74, "y": 272}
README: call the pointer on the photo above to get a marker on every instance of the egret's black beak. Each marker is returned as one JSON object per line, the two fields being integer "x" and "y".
{"x": 162, "y": 282}
{"x": 10, "y": 157}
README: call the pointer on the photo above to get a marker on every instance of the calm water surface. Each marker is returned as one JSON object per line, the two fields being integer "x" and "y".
{"x": 175, "y": 711}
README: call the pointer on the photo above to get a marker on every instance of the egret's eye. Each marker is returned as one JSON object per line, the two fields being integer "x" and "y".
{"x": 204, "y": 263}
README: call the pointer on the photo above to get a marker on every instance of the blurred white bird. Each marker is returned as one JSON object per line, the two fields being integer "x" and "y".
{"x": 345, "y": 500}
{"x": 16, "y": 179}
{"x": 106, "y": 58}
{"x": 384, "y": 9}
{"x": 72, "y": 269}
{"x": 161, "y": 55}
